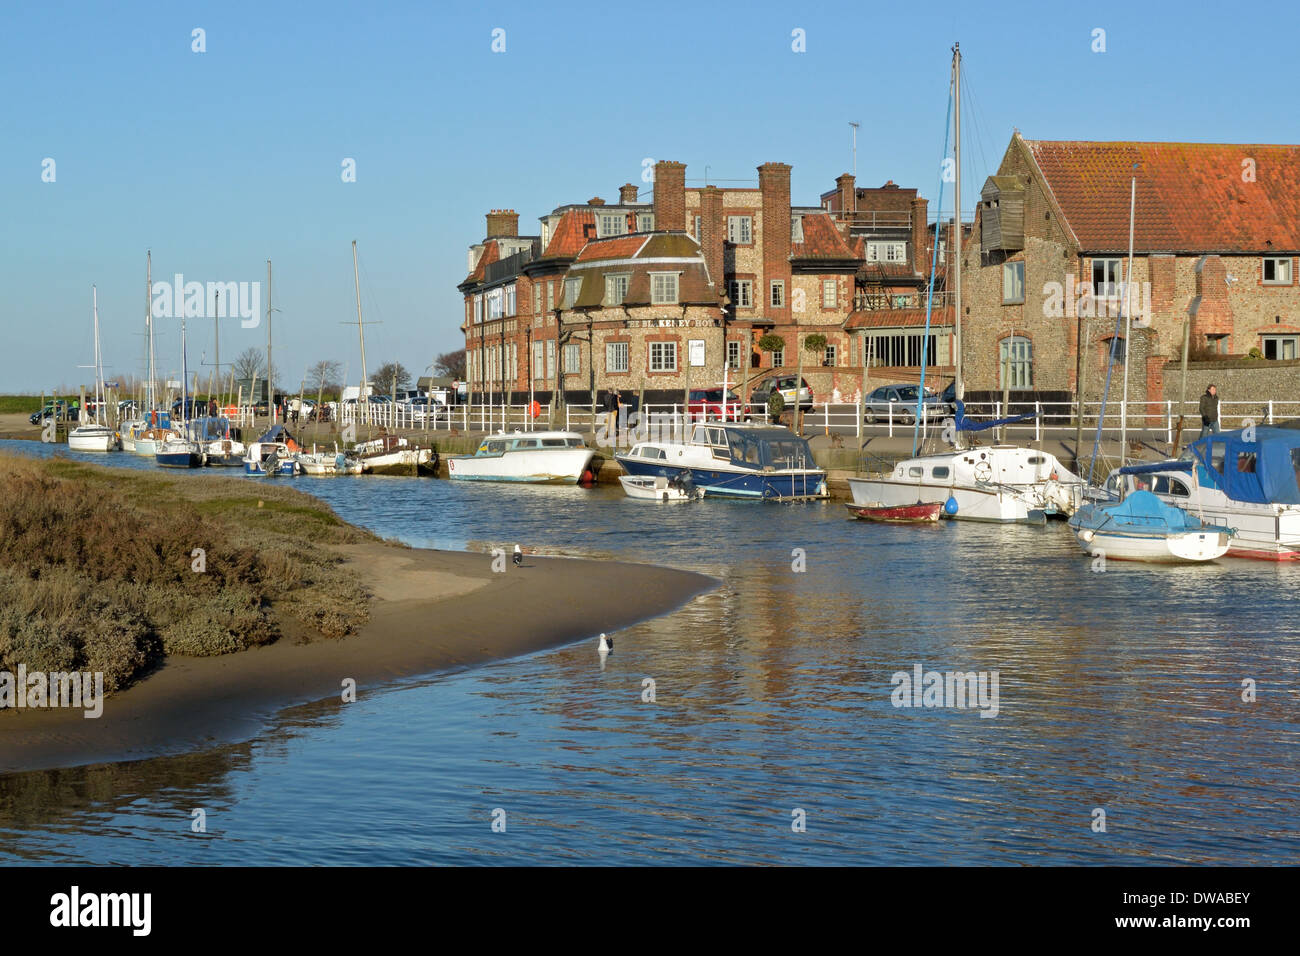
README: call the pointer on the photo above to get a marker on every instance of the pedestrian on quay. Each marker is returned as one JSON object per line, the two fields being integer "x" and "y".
{"x": 1209, "y": 411}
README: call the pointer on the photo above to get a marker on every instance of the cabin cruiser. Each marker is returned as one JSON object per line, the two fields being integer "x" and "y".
{"x": 1249, "y": 485}
{"x": 177, "y": 452}
{"x": 393, "y": 455}
{"x": 274, "y": 454}
{"x": 734, "y": 461}
{"x": 554, "y": 457}
{"x": 328, "y": 463}
{"x": 991, "y": 483}
{"x": 93, "y": 438}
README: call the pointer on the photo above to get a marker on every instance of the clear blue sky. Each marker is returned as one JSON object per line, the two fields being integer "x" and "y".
{"x": 221, "y": 160}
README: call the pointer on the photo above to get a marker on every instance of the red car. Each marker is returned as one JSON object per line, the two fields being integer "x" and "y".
{"x": 707, "y": 403}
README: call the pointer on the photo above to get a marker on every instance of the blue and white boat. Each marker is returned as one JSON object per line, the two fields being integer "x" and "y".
{"x": 1144, "y": 528}
{"x": 274, "y": 454}
{"x": 762, "y": 462}
{"x": 1248, "y": 478}
{"x": 177, "y": 452}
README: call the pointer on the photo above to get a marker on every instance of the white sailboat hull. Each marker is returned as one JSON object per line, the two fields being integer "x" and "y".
{"x": 1187, "y": 546}
{"x": 92, "y": 438}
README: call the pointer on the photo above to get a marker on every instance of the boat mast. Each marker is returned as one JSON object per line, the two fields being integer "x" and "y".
{"x": 185, "y": 373}
{"x": 270, "y": 386}
{"x": 1128, "y": 287}
{"x": 99, "y": 371}
{"x": 361, "y": 331}
{"x": 148, "y": 321}
{"x": 956, "y": 252}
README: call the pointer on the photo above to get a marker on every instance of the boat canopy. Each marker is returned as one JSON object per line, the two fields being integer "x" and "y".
{"x": 1141, "y": 510}
{"x": 1181, "y": 464}
{"x": 966, "y": 425}
{"x": 208, "y": 428}
{"x": 1262, "y": 471}
{"x": 278, "y": 433}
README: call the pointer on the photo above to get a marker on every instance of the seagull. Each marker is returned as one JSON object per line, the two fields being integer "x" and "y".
{"x": 605, "y": 647}
{"x": 519, "y": 557}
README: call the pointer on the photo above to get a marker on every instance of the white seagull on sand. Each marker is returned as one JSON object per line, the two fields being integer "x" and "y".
{"x": 519, "y": 556}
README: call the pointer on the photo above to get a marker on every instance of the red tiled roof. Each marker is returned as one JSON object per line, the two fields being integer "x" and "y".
{"x": 898, "y": 318}
{"x": 821, "y": 240}
{"x": 491, "y": 253}
{"x": 571, "y": 233}
{"x": 615, "y": 247}
{"x": 1190, "y": 196}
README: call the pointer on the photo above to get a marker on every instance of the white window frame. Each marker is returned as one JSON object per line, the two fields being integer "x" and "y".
{"x": 796, "y": 228}
{"x": 659, "y": 291}
{"x": 830, "y": 294}
{"x": 616, "y": 356}
{"x": 778, "y": 358}
{"x": 776, "y": 294}
{"x": 1112, "y": 271}
{"x": 539, "y": 360}
{"x": 740, "y": 230}
{"x": 1016, "y": 272}
{"x": 550, "y": 359}
{"x": 1016, "y": 362}
{"x": 830, "y": 357}
{"x": 616, "y": 285}
{"x": 699, "y": 230}
{"x": 572, "y": 359}
{"x": 742, "y": 293}
{"x": 645, "y": 222}
{"x": 1286, "y": 266}
{"x": 733, "y": 355}
{"x": 658, "y": 353}
{"x": 572, "y": 289}
{"x": 478, "y": 307}
{"x": 1280, "y": 343}
{"x": 611, "y": 224}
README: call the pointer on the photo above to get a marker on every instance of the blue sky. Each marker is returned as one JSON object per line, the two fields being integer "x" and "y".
{"x": 218, "y": 161}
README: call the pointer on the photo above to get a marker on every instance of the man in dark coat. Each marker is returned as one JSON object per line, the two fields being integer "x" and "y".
{"x": 1209, "y": 411}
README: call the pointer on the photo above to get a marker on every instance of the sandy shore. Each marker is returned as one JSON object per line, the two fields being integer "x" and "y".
{"x": 432, "y": 611}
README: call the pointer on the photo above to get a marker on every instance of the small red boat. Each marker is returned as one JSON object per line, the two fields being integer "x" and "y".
{"x": 898, "y": 514}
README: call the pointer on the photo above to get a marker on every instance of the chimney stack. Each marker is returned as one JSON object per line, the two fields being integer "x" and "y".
{"x": 627, "y": 194}
{"x": 670, "y": 195}
{"x": 848, "y": 195}
{"x": 774, "y": 188}
{"x": 713, "y": 232}
{"x": 502, "y": 222}
{"x": 920, "y": 236}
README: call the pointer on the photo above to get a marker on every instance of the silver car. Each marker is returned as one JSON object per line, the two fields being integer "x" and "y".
{"x": 898, "y": 402}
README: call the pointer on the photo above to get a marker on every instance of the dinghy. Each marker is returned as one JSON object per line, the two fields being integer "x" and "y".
{"x": 659, "y": 488}
{"x": 919, "y": 513}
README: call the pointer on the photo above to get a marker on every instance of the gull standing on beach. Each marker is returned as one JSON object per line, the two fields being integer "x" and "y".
{"x": 518, "y": 557}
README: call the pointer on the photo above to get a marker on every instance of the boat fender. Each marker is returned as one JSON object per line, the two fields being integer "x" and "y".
{"x": 950, "y": 506}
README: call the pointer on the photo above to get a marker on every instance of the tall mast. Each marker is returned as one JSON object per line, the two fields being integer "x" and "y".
{"x": 956, "y": 252}
{"x": 99, "y": 372}
{"x": 270, "y": 386}
{"x": 148, "y": 306}
{"x": 185, "y": 373}
{"x": 1128, "y": 286}
{"x": 361, "y": 331}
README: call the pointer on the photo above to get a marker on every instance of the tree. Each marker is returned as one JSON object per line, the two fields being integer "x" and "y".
{"x": 325, "y": 374}
{"x": 250, "y": 364}
{"x": 451, "y": 364}
{"x": 390, "y": 375}
{"x": 771, "y": 343}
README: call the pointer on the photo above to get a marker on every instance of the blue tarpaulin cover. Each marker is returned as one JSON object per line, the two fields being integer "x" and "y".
{"x": 1140, "y": 511}
{"x": 1259, "y": 471}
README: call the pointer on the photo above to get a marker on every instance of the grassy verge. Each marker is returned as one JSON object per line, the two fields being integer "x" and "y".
{"x": 110, "y": 570}
{"x": 16, "y": 404}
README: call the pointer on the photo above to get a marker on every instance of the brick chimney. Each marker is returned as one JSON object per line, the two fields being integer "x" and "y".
{"x": 670, "y": 195}
{"x": 502, "y": 222}
{"x": 848, "y": 200}
{"x": 774, "y": 188}
{"x": 595, "y": 201}
{"x": 713, "y": 231}
{"x": 627, "y": 194}
{"x": 920, "y": 237}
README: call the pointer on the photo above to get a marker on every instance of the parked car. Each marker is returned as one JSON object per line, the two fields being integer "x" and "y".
{"x": 785, "y": 384}
{"x": 421, "y": 408}
{"x": 59, "y": 410}
{"x": 899, "y": 403}
{"x": 708, "y": 403}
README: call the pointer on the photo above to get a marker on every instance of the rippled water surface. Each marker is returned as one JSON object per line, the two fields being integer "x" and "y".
{"x": 1118, "y": 690}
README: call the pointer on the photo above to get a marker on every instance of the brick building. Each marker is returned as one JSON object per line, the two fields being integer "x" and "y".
{"x": 653, "y": 297}
{"x": 1216, "y": 245}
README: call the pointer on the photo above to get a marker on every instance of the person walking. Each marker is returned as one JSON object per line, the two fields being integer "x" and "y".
{"x": 1209, "y": 411}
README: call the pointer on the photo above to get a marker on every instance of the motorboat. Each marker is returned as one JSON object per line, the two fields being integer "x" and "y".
{"x": 93, "y": 438}
{"x": 271, "y": 459}
{"x": 1245, "y": 479}
{"x": 177, "y": 452}
{"x": 323, "y": 464}
{"x": 554, "y": 457}
{"x": 393, "y": 455}
{"x": 1144, "y": 528}
{"x": 659, "y": 488}
{"x": 992, "y": 483}
{"x": 767, "y": 462}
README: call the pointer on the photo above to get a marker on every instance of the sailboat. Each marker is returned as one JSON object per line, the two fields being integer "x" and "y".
{"x": 1003, "y": 483}
{"x": 149, "y": 434}
{"x": 177, "y": 451}
{"x": 388, "y": 455}
{"x": 95, "y": 436}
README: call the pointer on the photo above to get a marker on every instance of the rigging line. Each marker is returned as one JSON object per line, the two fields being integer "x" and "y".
{"x": 977, "y": 117}
{"x": 934, "y": 262}
{"x": 1101, "y": 418}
